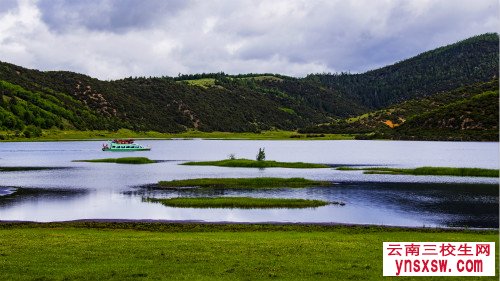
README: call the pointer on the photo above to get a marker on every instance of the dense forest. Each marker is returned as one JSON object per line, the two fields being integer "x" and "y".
{"x": 375, "y": 103}
{"x": 466, "y": 113}
{"x": 471, "y": 119}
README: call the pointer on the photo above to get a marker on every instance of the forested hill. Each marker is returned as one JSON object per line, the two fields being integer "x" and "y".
{"x": 237, "y": 103}
{"x": 463, "y": 63}
{"x": 466, "y": 113}
{"x": 207, "y": 102}
{"x": 474, "y": 119}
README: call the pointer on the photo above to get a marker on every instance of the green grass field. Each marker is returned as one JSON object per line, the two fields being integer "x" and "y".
{"x": 142, "y": 251}
{"x": 243, "y": 183}
{"x": 263, "y": 78}
{"x": 428, "y": 171}
{"x": 65, "y": 135}
{"x": 247, "y": 163}
{"x": 123, "y": 160}
{"x": 239, "y": 202}
{"x": 202, "y": 82}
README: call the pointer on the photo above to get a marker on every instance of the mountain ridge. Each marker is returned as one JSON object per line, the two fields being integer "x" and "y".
{"x": 235, "y": 103}
{"x": 462, "y": 63}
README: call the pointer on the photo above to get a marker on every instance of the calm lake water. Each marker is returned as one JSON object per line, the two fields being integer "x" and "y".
{"x": 114, "y": 191}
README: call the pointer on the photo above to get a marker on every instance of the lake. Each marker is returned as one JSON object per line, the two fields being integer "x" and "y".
{"x": 116, "y": 191}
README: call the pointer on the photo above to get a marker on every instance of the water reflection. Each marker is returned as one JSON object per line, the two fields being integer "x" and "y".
{"x": 413, "y": 204}
{"x": 10, "y": 196}
{"x": 110, "y": 191}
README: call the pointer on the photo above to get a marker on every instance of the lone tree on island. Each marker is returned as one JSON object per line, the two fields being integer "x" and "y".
{"x": 261, "y": 156}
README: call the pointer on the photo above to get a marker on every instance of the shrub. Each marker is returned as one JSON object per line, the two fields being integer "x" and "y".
{"x": 32, "y": 131}
{"x": 261, "y": 156}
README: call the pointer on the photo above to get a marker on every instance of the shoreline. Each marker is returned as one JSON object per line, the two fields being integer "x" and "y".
{"x": 127, "y": 223}
{"x": 72, "y": 135}
{"x": 229, "y": 139}
{"x": 101, "y": 135}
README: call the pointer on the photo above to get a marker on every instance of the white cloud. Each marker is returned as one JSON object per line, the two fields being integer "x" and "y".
{"x": 113, "y": 39}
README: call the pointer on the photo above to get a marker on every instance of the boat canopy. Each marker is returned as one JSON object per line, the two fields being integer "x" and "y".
{"x": 129, "y": 141}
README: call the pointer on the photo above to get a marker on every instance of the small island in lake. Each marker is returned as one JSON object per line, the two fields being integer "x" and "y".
{"x": 248, "y": 163}
{"x": 428, "y": 171}
{"x": 240, "y": 202}
{"x": 243, "y": 183}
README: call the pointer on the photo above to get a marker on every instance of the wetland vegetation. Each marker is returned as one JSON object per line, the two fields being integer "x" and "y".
{"x": 428, "y": 171}
{"x": 248, "y": 163}
{"x": 240, "y": 202}
{"x": 243, "y": 183}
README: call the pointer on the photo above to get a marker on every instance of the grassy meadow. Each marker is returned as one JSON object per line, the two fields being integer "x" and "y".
{"x": 156, "y": 251}
{"x": 203, "y": 82}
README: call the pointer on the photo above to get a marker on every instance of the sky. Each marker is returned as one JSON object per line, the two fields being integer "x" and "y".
{"x": 113, "y": 39}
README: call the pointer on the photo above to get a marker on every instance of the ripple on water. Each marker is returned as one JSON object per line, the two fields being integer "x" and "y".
{"x": 4, "y": 191}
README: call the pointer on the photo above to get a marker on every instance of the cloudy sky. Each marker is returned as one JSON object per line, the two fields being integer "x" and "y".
{"x": 111, "y": 39}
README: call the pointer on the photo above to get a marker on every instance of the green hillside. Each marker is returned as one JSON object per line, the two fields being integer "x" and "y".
{"x": 471, "y": 119}
{"x": 31, "y": 100}
{"x": 207, "y": 102}
{"x": 32, "y": 110}
{"x": 466, "y": 113}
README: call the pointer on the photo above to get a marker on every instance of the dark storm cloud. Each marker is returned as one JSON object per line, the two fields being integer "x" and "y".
{"x": 361, "y": 35}
{"x": 119, "y": 38}
{"x": 108, "y": 15}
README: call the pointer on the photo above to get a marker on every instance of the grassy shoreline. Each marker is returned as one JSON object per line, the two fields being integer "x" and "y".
{"x": 248, "y": 163}
{"x": 239, "y": 202}
{"x": 73, "y": 135}
{"x": 242, "y": 183}
{"x": 123, "y": 160}
{"x": 156, "y": 251}
{"x": 428, "y": 171}
{"x": 53, "y": 135}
